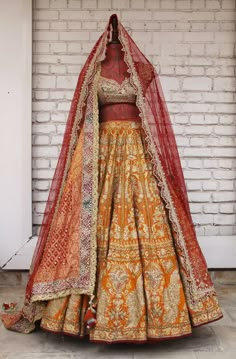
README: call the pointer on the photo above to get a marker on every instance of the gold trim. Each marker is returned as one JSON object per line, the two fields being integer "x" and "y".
{"x": 192, "y": 292}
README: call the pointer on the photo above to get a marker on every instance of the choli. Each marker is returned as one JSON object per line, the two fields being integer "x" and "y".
{"x": 111, "y": 92}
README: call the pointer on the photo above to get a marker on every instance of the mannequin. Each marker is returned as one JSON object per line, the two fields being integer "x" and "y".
{"x": 114, "y": 68}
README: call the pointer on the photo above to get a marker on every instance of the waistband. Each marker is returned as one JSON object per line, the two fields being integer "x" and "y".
{"x": 121, "y": 124}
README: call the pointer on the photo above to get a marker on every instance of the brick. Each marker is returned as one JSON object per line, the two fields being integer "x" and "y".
{"x": 196, "y": 207}
{"x": 198, "y": 4}
{"x": 211, "y": 231}
{"x": 224, "y": 197}
{"x": 43, "y": 174}
{"x": 38, "y": 128}
{"x": 226, "y": 230}
{"x": 40, "y": 207}
{"x": 197, "y": 142}
{"x": 194, "y": 185}
{"x": 226, "y": 163}
{"x": 212, "y": 163}
{"x": 168, "y": 4}
{"x": 64, "y": 106}
{"x": 211, "y": 208}
{"x": 41, "y": 47}
{"x": 122, "y": 4}
{"x": 136, "y": 14}
{"x": 44, "y": 106}
{"x": 141, "y": 36}
{"x": 200, "y": 83}
{"x": 41, "y": 185}
{"x": 104, "y": 4}
{"x": 167, "y": 37}
{"x": 58, "y": 4}
{"x": 228, "y": 108}
{"x": 57, "y": 95}
{"x": 46, "y": 15}
{"x": 224, "y": 84}
{"x": 195, "y": 163}
{"x": 197, "y": 174}
{"x": 199, "y": 197}
{"x": 41, "y": 95}
{"x": 225, "y": 130}
{"x": 225, "y": 15}
{"x": 42, "y": 25}
{"x": 197, "y": 119}
{"x": 196, "y": 71}
{"x": 74, "y": 25}
{"x": 72, "y": 35}
{"x": 89, "y": 4}
{"x": 224, "y": 174}
{"x": 224, "y": 219}
{"x": 199, "y": 231}
{"x": 224, "y": 152}
{"x": 183, "y": 16}
{"x": 74, "y": 69}
{"x": 137, "y": 4}
{"x": 66, "y": 82}
{"x": 211, "y": 119}
{"x": 74, "y": 15}
{"x": 44, "y": 81}
{"x": 43, "y": 117}
{"x": 227, "y": 208}
{"x": 227, "y": 50}
{"x": 226, "y": 119}
{"x": 213, "y": 4}
{"x": 194, "y": 152}
{"x": 56, "y": 140}
{"x": 41, "y": 163}
{"x": 183, "y": 4}
{"x": 45, "y": 151}
{"x": 181, "y": 141}
{"x": 45, "y": 35}
{"x": 57, "y": 69}
{"x": 202, "y": 219}
{"x": 209, "y": 185}
{"x": 198, "y": 37}
{"x": 153, "y": 4}
{"x": 72, "y": 59}
{"x": 42, "y": 4}
{"x": 74, "y": 4}
{"x": 41, "y": 140}
{"x": 197, "y": 49}
{"x": 58, "y": 47}
{"x": 228, "y": 4}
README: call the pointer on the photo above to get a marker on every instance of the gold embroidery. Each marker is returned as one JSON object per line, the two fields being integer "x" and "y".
{"x": 110, "y": 91}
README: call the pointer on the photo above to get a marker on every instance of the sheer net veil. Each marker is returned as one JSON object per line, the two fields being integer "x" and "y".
{"x": 83, "y": 127}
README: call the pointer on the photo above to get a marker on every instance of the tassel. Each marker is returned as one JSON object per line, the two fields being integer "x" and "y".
{"x": 9, "y": 306}
{"x": 90, "y": 315}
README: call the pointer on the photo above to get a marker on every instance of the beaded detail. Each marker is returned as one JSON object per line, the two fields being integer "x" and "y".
{"x": 110, "y": 91}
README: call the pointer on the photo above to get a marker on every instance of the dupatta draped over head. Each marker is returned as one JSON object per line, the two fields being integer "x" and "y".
{"x": 71, "y": 268}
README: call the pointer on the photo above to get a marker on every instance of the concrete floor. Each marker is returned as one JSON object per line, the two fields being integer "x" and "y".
{"x": 212, "y": 341}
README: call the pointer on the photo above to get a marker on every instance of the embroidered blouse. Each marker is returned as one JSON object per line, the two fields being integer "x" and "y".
{"x": 111, "y": 92}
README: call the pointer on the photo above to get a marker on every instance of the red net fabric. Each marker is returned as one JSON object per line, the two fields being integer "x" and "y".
{"x": 159, "y": 132}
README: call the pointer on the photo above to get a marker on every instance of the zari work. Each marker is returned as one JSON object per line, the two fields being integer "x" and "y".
{"x": 139, "y": 291}
{"x": 117, "y": 222}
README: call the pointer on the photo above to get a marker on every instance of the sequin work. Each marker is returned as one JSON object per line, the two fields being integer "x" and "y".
{"x": 139, "y": 291}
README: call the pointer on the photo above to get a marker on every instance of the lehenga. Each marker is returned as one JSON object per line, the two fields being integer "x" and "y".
{"x": 139, "y": 290}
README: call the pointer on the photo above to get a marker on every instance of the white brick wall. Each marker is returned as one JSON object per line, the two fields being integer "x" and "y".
{"x": 192, "y": 45}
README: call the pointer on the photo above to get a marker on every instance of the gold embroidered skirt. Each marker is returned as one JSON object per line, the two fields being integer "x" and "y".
{"x": 139, "y": 292}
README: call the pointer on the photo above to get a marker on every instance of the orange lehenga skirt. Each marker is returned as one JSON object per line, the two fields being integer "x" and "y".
{"x": 139, "y": 292}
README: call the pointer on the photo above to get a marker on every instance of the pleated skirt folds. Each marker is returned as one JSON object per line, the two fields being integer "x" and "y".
{"x": 139, "y": 292}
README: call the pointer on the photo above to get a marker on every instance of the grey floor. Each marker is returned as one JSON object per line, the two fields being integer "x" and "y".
{"x": 212, "y": 341}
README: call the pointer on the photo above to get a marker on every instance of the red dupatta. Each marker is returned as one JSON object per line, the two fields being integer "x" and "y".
{"x": 55, "y": 276}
